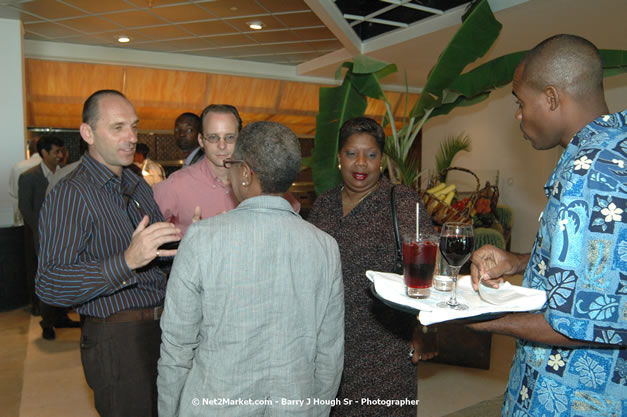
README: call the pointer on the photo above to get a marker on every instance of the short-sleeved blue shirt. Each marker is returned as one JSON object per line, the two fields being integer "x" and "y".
{"x": 580, "y": 259}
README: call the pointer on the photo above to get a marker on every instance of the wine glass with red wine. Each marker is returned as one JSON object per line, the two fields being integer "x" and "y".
{"x": 456, "y": 245}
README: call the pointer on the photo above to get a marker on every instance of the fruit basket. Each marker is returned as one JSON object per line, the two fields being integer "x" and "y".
{"x": 439, "y": 206}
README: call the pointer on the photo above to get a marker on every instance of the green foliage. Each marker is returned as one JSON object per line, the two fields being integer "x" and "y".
{"x": 445, "y": 89}
{"x": 473, "y": 39}
{"x": 338, "y": 104}
{"x": 505, "y": 216}
{"x": 487, "y": 235}
{"x": 475, "y": 86}
{"x": 614, "y": 62}
{"x": 448, "y": 149}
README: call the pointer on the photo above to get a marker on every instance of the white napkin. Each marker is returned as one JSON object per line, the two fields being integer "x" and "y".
{"x": 392, "y": 288}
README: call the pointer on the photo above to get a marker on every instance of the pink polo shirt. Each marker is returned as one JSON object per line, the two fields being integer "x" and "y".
{"x": 191, "y": 186}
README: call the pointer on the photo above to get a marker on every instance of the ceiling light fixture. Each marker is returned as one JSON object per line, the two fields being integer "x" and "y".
{"x": 256, "y": 25}
{"x": 124, "y": 39}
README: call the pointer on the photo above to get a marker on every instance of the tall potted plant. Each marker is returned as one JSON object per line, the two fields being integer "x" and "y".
{"x": 445, "y": 89}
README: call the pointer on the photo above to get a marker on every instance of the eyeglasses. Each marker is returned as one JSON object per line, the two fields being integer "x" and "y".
{"x": 213, "y": 138}
{"x": 228, "y": 163}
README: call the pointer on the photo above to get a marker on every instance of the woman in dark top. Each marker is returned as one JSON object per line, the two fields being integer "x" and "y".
{"x": 358, "y": 215}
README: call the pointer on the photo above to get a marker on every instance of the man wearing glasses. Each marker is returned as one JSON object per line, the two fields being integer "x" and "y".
{"x": 100, "y": 231}
{"x": 203, "y": 189}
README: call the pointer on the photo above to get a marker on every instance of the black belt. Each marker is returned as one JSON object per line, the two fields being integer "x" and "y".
{"x": 136, "y": 314}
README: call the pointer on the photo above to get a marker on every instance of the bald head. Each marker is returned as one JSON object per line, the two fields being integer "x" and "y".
{"x": 567, "y": 62}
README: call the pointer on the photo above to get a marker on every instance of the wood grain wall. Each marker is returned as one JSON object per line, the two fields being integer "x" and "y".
{"x": 55, "y": 92}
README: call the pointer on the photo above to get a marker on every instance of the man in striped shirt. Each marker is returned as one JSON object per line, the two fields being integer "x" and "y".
{"x": 100, "y": 232}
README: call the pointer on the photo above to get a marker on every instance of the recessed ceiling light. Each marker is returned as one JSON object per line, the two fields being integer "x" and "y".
{"x": 124, "y": 39}
{"x": 256, "y": 25}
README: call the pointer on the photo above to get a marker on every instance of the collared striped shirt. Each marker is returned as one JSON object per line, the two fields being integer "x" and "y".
{"x": 85, "y": 225}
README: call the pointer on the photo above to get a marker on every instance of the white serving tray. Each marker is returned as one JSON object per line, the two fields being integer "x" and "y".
{"x": 391, "y": 288}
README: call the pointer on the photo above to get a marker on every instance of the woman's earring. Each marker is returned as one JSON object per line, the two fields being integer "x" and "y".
{"x": 339, "y": 166}
{"x": 244, "y": 183}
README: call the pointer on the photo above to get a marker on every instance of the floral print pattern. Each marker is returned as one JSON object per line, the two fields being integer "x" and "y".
{"x": 580, "y": 259}
{"x": 556, "y": 361}
{"x": 612, "y": 213}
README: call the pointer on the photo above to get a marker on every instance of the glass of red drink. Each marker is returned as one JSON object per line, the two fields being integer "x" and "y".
{"x": 418, "y": 264}
{"x": 456, "y": 245}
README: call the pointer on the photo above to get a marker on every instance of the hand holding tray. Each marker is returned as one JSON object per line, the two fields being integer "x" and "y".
{"x": 390, "y": 287}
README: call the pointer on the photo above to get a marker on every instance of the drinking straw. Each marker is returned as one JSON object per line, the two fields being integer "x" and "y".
{"x": 417, "y": 221}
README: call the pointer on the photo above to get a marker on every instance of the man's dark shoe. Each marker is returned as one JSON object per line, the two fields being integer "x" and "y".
{"x": 47, "y": 333}
{"x": 66, "y": 323}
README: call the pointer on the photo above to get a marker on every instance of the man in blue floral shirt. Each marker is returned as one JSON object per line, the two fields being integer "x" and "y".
{"x": 570, "y": 358}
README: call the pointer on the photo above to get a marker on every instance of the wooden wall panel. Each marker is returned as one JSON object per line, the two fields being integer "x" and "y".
{"x": 68, "y": 82}
{"x": 299, "y": 97}
{"x": 50, "y": 114}
{"x": 245, "y": 93}
{"x": 398, "y": 103}
{"x": 249, "y": 117}
{"x": 402, "y": 104}
{"x": 375, "y": 109}
{"x": 301, "y": 125}
{"x": 159, "y": 119}
{"x": 55, "y": 92}
{"x": 166, "y": 88}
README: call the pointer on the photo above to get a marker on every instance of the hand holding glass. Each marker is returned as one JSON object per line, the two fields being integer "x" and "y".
{"x": 456, "y": 245}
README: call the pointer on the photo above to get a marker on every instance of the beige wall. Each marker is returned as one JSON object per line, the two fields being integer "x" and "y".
{"x": 11, "y": 111}
{"x": 498, "y": 144}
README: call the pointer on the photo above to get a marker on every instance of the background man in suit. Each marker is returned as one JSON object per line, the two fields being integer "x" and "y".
{"x": 31, "y": 195}
{"x": 150, "y": 170}
{"x": 30, "y": 260}
{"x": 186, "y": 129}
{"x": 18, "y": 169}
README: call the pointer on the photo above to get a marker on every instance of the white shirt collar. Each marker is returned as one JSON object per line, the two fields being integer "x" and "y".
{"x": 46, "y": 170}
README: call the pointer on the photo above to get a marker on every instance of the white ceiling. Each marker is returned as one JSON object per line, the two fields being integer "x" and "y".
{"x": 303, "y": 39}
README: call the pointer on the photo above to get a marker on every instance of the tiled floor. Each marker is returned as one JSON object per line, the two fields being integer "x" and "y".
{"x": 40, "y": 378}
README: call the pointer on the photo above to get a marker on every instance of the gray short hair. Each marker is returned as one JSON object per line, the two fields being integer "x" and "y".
{"x": 272, "y": 151}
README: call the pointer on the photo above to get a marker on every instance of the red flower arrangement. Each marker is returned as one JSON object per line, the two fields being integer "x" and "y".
{"x": 483, "y": 206}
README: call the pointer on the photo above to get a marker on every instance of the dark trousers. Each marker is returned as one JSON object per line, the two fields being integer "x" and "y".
{"x": 120, "y": 365}
{"x": 50, "y": 315}
{"x": 30, "y": 259}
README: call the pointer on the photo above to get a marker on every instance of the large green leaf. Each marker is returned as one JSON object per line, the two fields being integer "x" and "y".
{"x": 338, "y": 104}
{"x": 445, "y": 89}
{"x": 363, "y": 64}
{"x": 495, "y": 73}
{"x": 476, "y": 85}
{"x": 614, "y": 58}
{"x": 614, "y": 62}
{"x": 473, "y": 39}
